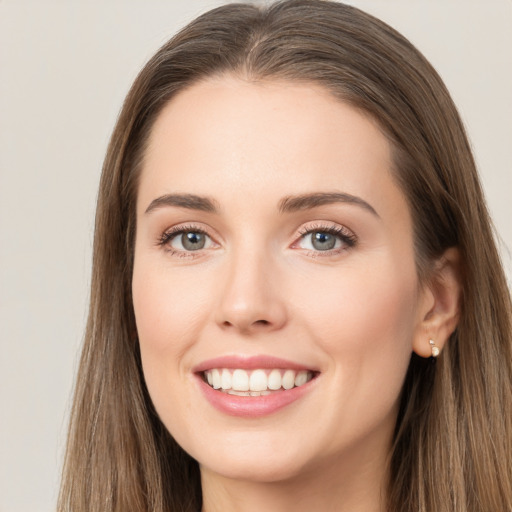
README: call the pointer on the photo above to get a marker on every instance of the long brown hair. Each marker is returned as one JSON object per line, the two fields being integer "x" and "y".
{"x": 453, "y": 440}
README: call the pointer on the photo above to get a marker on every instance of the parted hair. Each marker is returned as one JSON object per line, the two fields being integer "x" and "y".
{"x": 452, "y": 446}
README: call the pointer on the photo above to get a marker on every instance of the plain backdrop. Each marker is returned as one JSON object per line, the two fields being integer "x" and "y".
{"x": 65, "y": 67}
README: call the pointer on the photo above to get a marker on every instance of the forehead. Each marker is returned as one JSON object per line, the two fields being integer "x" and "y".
{"x": 226, "y": 135}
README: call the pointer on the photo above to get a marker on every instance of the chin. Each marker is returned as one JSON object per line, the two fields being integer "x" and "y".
{"x": 259, "y": 469}
{"x": 254, "y": 456}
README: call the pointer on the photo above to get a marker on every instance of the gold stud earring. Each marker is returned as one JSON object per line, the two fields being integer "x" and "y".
{"x": 435, "y": 350}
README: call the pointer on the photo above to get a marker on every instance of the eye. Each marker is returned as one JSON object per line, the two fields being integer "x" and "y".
{"x": 189, "y": 241}
{"x": 185, "y": 239}
{"x": 331, "y": 239}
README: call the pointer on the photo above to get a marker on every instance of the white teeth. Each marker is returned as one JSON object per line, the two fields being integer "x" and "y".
{"x": 301, "y": 378}
{"x": 240, "y": 380}
{"x": 239, "y": 393}
{"x": 288, "y": 379}
{"x": 256, "y": 382}
{"x": 225, "y": 379}
{"x": 248, "y": 393}
{"x": 274, "y": 380}
{"x": 216, "y": 379}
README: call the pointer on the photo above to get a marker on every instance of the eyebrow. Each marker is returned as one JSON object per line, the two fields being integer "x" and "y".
{"x": 309, "y": 201}
{"x": 286, "y": 205}
{"x": 189, "y": 201}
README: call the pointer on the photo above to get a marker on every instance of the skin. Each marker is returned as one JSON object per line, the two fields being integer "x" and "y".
{"x": 259, "y": 287}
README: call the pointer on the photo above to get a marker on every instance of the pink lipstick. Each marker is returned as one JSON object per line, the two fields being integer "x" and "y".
{"x": 253, "y": 386}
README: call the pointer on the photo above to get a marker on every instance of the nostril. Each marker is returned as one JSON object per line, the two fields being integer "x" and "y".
{"x": 263, "y": 323}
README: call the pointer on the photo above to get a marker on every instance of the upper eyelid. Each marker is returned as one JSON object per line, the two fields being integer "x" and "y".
{"x": 324, "y": 225}
{"x": 347, "y": 235}
{"x": 186, "y": 226}
{"x": 304, "y": 228}
{"x": 320, "y": 227}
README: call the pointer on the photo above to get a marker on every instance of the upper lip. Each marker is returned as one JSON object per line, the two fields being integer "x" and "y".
{"x": 249, "y": 363}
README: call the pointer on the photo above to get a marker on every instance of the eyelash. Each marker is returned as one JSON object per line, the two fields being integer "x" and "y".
{"x": 169, "y": 235}
{"x": 348, "y": 239}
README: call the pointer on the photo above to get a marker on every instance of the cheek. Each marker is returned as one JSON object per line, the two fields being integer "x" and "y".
{"x": 364, "y": 322}
{"x": 168, "y": 308}
{"x": 362, "y": 306}
{"x": 169, "y": 314}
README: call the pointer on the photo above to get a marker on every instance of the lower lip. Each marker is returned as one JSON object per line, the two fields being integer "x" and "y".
{"x": 252, "y": 406}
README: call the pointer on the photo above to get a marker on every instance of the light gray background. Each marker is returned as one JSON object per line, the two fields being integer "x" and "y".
{"x": 64, "y": 70}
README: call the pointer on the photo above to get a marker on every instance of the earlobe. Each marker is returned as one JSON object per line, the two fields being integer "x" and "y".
{"x": 440, "y": 307}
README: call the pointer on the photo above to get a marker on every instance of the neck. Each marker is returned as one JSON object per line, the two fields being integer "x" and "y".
{"x": 355, "y": 485}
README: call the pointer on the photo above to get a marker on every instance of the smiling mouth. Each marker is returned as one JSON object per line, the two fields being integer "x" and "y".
{"x": 257, "y": 382}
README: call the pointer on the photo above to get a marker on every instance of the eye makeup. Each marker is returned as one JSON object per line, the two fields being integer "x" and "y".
{"x": 318, "y": 239}
{"x": 192, "y": 238}
{"x": 325, "y": 239}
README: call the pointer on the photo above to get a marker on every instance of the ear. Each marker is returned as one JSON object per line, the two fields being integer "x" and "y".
{"x": 439, "y": 306}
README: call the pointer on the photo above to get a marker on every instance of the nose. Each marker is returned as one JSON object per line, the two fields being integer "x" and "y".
{"x": 251, "y": 298}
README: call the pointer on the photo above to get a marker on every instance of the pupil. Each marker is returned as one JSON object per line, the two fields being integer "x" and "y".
{"x": 323, "y": 241}
{"x": 193, "y": 241}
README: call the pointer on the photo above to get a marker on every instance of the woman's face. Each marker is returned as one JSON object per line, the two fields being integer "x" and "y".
{"x": 273, "y": 258}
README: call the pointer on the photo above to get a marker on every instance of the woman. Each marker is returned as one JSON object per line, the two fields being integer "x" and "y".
{"x": 290, "y": 231}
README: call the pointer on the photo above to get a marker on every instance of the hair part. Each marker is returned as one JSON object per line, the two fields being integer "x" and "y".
{"x": 453, "y": 440}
